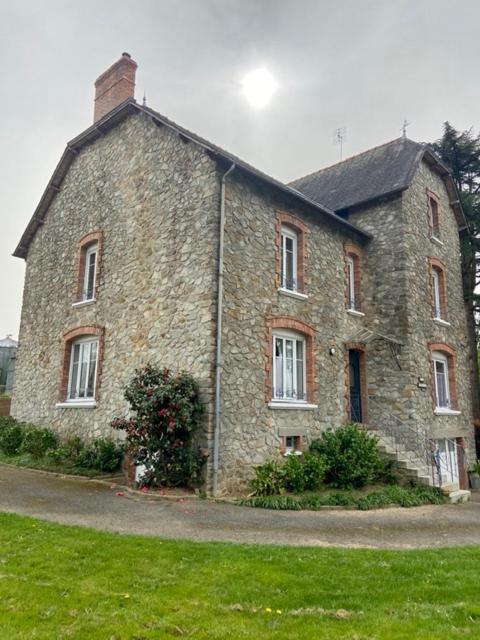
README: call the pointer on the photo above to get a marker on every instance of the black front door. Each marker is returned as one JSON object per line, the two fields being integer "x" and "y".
{"x": 355, "y": 386}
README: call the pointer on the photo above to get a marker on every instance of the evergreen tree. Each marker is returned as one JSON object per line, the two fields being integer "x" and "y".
{"x": 461, "y": 152}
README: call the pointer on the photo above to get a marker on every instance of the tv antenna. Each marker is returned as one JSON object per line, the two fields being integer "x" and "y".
{"x": 339, "y": 137}
{"x": 404, "y": 128}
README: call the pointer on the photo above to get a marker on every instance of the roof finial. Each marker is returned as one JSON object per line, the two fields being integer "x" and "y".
{"x": 144, "y": 101}
{"x": 404, "y": 128}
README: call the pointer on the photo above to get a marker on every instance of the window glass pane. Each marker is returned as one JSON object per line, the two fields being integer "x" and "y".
{"x": 288, "y": 262}
{"x": 278, "y": 390}
{"x": 72, "y": 388}
{"x": 351, "y": 283}
{"x": 92, "y": 370}
{"x": 289, "y": 383}
{"x": 84, "y": 358}
{"x": 300, "y": 389}
{"x": 441, "y": 383}
{"x": 90, "y": 274}
{"x": 436, "y": 293}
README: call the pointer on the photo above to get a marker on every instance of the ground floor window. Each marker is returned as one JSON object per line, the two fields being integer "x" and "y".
{"x": 289, "y": 367}
{"x": 292, "y": 445}
{"x": 83, "y": 369}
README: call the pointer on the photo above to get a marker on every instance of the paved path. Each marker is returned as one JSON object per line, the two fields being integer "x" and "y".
{"x": 86, "y": 503}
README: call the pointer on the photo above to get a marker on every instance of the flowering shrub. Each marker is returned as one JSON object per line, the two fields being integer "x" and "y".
{"x": 160, "y": 435}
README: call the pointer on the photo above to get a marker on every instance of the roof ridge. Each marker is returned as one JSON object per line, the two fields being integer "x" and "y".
{"x": 355, "y": 155}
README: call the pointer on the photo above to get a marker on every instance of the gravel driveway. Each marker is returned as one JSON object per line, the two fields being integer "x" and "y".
{"x": 90, "y": 504}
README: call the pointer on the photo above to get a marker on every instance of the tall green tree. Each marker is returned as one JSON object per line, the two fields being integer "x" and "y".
{"x": 460, "y": 150}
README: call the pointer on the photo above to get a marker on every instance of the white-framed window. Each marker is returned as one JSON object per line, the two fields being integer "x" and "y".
{"x": 352, "y": 302}
{"x": 289, "y": 351}
{"x": 289, "y": 259}
{"x": 90, "y": 274}
{"x": 442, "y": 386}
{"x": 437, "y": 305}
{"x": 83, "y": 370}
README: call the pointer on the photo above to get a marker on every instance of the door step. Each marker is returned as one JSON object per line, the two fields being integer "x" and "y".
{"x": 458, "y": 496}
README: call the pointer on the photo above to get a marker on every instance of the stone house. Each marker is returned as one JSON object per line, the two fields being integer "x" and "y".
{"x": 297, "y": 307}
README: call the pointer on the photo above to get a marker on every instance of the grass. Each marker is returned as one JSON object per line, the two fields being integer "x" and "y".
{"x": 363, "y": 500}
{"x": 59, "y": 583}
{"x": 24, "y": 460}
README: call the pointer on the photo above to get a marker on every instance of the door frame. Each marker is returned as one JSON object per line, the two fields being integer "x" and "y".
{"x": 362, "y": 361}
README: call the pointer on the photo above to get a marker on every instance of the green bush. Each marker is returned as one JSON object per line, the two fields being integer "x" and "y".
{"x": 11, "y": 439}
{"x": 351, "y": 456}
{"x": 304, "y": 473}
{"x": 103, "y": 454}
{"x": 268, "y": 479}
{"x": 7, "y": 421}
{"x": 37, "y": 442}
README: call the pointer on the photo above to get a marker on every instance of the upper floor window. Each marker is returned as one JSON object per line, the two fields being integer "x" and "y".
{"x": 353, "y": 278}
{"x": 291, "y": 249}
{"x": 90, "y": 272}
{"x": 433, "y": 215}
{"x": 289, "y": 259}
{"x": 289, "y": 366}
{"x": 88, "y": 263}
{"x": 83, "y": 369}
{"x": 352, "y": 301}
{"x": 439, "y": 290}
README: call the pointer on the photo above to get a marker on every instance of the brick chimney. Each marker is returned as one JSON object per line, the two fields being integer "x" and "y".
{"x": 114, "y": 86}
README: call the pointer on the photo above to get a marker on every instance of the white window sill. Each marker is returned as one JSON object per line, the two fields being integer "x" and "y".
{"x": 302, "y": 406}
{"x": 436, "y": 240}
{"x": 73, "y": 404}
{"x": 292, "y": 453}
{"x": 84, "y": 303}
{"x": 443, "y": 323}
{"x": 292, "y": 294}
{"x": 354, "y": 312}
{"x": 440, "y": 411}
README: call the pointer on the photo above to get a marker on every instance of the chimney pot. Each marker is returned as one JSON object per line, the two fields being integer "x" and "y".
{"x": 114, "y": 86}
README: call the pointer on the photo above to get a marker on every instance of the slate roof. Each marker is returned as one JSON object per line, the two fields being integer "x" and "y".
{"x": 110, "y": 120}
{"x": 373, "y": 174}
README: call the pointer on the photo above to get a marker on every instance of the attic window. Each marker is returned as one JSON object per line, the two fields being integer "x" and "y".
{"x": 88, "y": 268}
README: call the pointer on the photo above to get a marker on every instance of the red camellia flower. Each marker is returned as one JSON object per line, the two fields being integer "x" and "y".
{"x": 171, "y": 423}
{"x": 162, "y": 412}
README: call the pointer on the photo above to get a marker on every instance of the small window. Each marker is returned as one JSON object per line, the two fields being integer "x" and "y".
{"x": 441, "y": 379}
{"x": 289, "y": 367}
{"x": 83, "y": 369}
{"x": 352, "y": 303}
{"x": 289, "y": 258}
{"x": 90, "y": 273}
{"x": 293, "y": 445}
{"x": 437, "y": 306}
{"x": 434, "y": 219}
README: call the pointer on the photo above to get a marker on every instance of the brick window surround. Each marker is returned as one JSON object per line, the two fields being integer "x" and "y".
{"x": 361, "y": 348}
{"x": 450, "y": 353}
{"x": 439, "y": 267}
{"x": 302, "y": 231}
{"x": 433, "y": 210}
{"x": 355, "y": 252}
{"x": 83, "y": 244}
{"x": 67, "y": 340}
{"x": 307, "y": 332}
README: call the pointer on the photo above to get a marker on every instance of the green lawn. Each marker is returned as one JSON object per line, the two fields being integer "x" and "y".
{"x": 64, "y": 582}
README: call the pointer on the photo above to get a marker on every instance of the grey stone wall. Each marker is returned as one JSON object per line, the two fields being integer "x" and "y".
{"x": 156, "y": 200}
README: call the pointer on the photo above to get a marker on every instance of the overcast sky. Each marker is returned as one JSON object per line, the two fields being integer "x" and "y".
{"x": 361, "y": 64}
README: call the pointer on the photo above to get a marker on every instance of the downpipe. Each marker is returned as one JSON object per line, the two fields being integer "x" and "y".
{"x": 218, "y": 358}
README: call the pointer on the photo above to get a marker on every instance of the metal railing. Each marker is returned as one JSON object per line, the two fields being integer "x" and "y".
{"x": 419, "y": 447}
